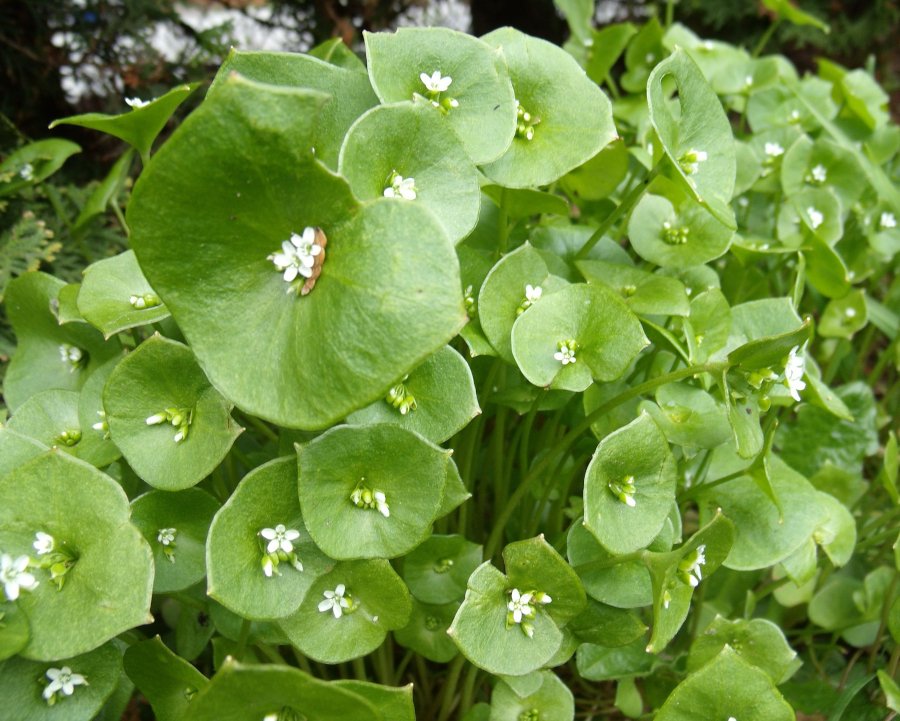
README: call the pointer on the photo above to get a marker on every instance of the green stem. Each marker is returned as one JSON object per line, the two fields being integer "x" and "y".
{"x": 468, "y": 690}
{"x": 449, "y": 692}
{"x": 628, "y": 202}
{"x": 121, "y": 217}
{"x": 670, "y": 13}
{"x": 884, "y": 357}
{"x": 260, "y": 426}
{"x": 359, "y": 669}
{"x": 242, "y": 639}
{"x": 569, "y": 439}
{"x": 764, "y": 40}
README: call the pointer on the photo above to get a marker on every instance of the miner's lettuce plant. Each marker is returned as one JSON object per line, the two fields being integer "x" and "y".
{"x": 446, "y": 368}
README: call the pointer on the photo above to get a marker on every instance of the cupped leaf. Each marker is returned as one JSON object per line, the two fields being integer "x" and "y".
{"x": 629, "y": 486}
{"x": 48, "y": 355}
{"x": 550, "y": 701}
{"x": 672, "y": 231}
{"x": 231, "y": 301}
{"x": 348, "y": 92}
{"x": 235, "y": 549}
{"x": 436, "y": 571}
{"x": 394, "y": 704}
{"x": 114, "y": 295}
{"x": 167, "y": 681}
{"x": 837, "y": 535}
{"x": 107, "y": 589}
{"x": 172, "y": 426}
{"x": 644, "y": 292}
{"x": 252, "y": 692}
{"x": 140, "y": 125}
{"x": 410, "y": 143}
{"x": 843, "y": 317}
{"x": 107, "y": 190}
{"x": 426, "y": 632}
{"x": 33, "y": 163}
{"x": 822, "y": 163}
{"x": 726, "y": 687}
{"x": 23, "y": 683}
{"x": 606, "y": 337}
{"x": 51, "y": 418}
{"x": 175, "y": 525}
{"x": 370, "y": 491}
{"x": 607, "y": 625}
{"x": 348, "y": 611}
{"x": 698, "y": 141}
{"x": 689, "y": 416}
{"x": 436, "y": 400}
{"x": 553, "y": 134}
{"x": 485, "y": 635}
{"x": 757, "y": 641}
{"x": 600, "y": 663}
{"x": 484, "y": 118}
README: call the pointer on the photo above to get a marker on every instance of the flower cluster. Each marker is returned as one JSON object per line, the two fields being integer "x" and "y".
{"x": 365, "y": 497}
{"x": 521, "y": 609}
{"x": 690, "y": 161}
{"x": 298, "y": 256}
{"x": 166, "y": 538}
{"x": 525, "y": 123}
{"x": 624, "y": 490}
{"x": 337, "y": 601}
{"x": 400, "y": 187}
{"x": 533, "y": 294}
{"x": 58, "y": 558}
{"x": 144, "y": 300}
{"x": 180, "y": 418}
{"x": 400, "y": 398}
{"x": 277, "y": 544}
{"x": 793, "y": 373}
{"x": 73, "y": 356}
{"x": 690, "y": 568}
{"x": 675, "y": 235}
{"x": 435, "y": 86}
{"x": 565, "y": 352}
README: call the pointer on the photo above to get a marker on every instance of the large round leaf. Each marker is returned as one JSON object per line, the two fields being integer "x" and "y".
{"x": 414, "y": 142}
{"x": 550, "y": 701}
{"x": 378, "y": 602}
{"x": 181, "y": 562}
{"x": 635, "y": 457}
{"x": 51, "y": 417}
{"x": 47, "y": 355}
{"x": 16, "y": 449}
{"x": 485, "y": 117}
{"x": 563, "y": 134}
{"x": 726, "y": 687}
{"x": 383, "y": 302}
{"x": 107, "y": 590}
{"x": 436, "y": 572}
{"x": 250, "y": 693}
{"x": 115, "y": 295}
{"x": 162, "y": 376}
{"x": 22, "y": 684}
{"x": 338, "y": 469}
{"x": 349, "y": 91}
{"x": 265, "y": 498}
{"x": 606, "y": 334}
{"x": 443, "y": 399}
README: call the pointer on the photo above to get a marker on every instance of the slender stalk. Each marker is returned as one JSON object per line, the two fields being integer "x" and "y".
{"x": 448, "y": 694}
{"x": 242, "y": 639}
{"x": 766, "y": 36}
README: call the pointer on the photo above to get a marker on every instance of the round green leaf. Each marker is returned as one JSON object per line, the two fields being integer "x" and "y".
{"x": 564, "y": 134}
{"x": 182, "y": 562}
{"x": 822, "y": 163}
{"x": 266, "y": 497}
{"x": 480, "y": 628}
{"x": 811, "y": 211}
{"x": 14, "y": 630}
{"x": 676, "y": 235}
{"x": 394, "y": 704}
{"x": 600, "y": 663}
{"x": 443, "y": 393}
{"x": 167, "y": 681}
{"x": 249, "y": 693}
{"x": 726, "y": 687}
{"x": 162, "y": 377}
{"x": 114, "y": 295}
{"x": 551, "y": 701}
{"x": 22, "y": 685}
{"x": 92, "y": 416}
{"x": 378, "y": 600}
{"x": 843, "y": 317}
{"x": 107, "y": 590}
{"x": 38, "y": 363}
{"x": 645, "y": 293}
{"x": 634, "y": 463}
{"x": 485, "y": 119}
{"x": 606, "y": 334}
{"x": 436, "y": 571}
{"x": 763, "y": 535}
{"x": 426, "y": 632}
{"x": 837, "y": 535}
{"x": 689, "y": 416}
{"x": 349, "y": 91}
{"x": 701, "y": 126}
{"x": 338, "y": 469}
{"x": 414, "y": 142}
{"x": 230, "y": 300}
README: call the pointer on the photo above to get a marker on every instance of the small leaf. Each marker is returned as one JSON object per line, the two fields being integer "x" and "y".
{"x": 551, "y": 701}
{"x": 167, "y": 681}
{"x": 436, "y": 571}
{"x": 34, "y": 163}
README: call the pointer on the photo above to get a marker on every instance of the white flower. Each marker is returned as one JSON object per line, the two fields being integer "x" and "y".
{"x": 690, "y": 161}
{"x": 365, "y": 497}
{"x": 694, "y": 570}
{"x": 773, "y": 150}
{"x": 887, "y": 221}
{"x": 533, "y": 293}
{"x": 268, "y": 566}
{"x": 732, "y": 718}
{"x": 298, "y": 255}
{"x": 336, "y": 601}
{"x": 279, "y": 538}
{"x": 381, "y": 504}
{"x": 436, "y": 83}
{"x": 156, "y": 419}
{"x": 519, "y": 605}
{"x": 136, "y": 103}
{"x": 850, "y": 312}
{"x": 62, "y": 679}
{"x": 566, "y": 352}
{"x": 44, "y": 543}
{"x": 793, "y": 373}
{"x": 147, "y": 300}
{"x": 15, "y": 577}
{"x": 815, "y": 217}
{"x": 819, "y": 173}
{"x": 26, "y": 172}
{"x": 748, "y": 81}
{"x": 166, "y": 536}
{"x": 101, "y": 425}
{"x": 71, "y": 354}
{"x": 401, "y": 187}
{"x": 794, "y": 116}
